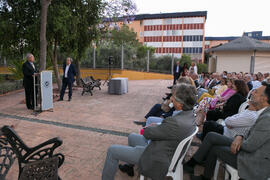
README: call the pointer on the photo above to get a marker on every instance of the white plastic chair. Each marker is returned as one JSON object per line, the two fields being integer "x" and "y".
{"x": 177, "y": 173}
{"x": 229, "y": 170}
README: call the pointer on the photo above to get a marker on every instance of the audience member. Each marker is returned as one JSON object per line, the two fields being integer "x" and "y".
{"x": 211, "y": 104}
{"x": 163, "y": 140}
{"x": 247, "y": 79}
{"x": 250, "y": 156}
{"x": 195, "y": 79}
{"x": 225, "y": 74}
{"x": 185, "y": 70}
{"x": 231, "y": 106}
{"x": 193, "y": 68}
{"x": 238, "y": 123}
{"x": 255, "y": 82}
{"x": 160, "y": 111}
{"x": 218, "y": 90}
{"x": 266, "y": 75}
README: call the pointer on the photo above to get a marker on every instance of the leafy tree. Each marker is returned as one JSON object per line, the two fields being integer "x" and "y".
{"x": 83, "y": 28}
{"x": 185, "y": 59}
{"x": 201, "y": 68}
{"x": 16, "y": 69}
{"x": 43, "y": 41}
{"x": 114, "y": 9}
{"x": 162, "y": 63}
{"x": 59, "y": 17}
{"x": 19, "y": 24}
{"x": 142, "y": 51}
{"x": 124, "y": 36}
{"x": 72, "y": 26}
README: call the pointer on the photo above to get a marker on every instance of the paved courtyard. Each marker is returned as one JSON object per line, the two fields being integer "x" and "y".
{"x": 88, "y": 125}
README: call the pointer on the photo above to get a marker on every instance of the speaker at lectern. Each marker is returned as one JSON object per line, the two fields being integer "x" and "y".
{"x": 43, "y": 91}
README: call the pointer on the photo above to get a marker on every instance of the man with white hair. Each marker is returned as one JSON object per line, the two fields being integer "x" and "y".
{"x": 68, "y": 79}
{"x": 29, "y": 70}
{"x": 153, "y": 150}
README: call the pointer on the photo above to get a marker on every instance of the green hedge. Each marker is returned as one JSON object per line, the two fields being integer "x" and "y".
{"x": 8, "y": 86}
{"x": 202, "y": 68}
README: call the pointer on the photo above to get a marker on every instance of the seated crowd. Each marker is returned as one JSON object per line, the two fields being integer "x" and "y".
{"x": 233, "y": 115}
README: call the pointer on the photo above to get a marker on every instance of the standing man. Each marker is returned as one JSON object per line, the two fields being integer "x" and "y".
{"x": 68, "y": 79}
{"x": 177, "y": 69}
{"x": 29, "y": 70}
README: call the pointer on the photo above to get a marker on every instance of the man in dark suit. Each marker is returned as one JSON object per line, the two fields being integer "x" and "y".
{"x": 154, "y": 158}
{"x": 249, "y": 156}
{"x": 177, "y": 69}
{"x": 68, "y": 79}
{"x": 29, "y": 70}
{"x": 247, "y": 79}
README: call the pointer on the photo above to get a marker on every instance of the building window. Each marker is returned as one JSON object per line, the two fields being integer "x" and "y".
{"x": 197, "y": 50}
{"x": 141, "y": 34}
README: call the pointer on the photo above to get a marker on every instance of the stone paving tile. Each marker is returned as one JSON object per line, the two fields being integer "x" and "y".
{"x": 84, "y": 150}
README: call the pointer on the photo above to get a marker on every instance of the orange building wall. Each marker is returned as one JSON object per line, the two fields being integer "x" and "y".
{"x": 203, "y": 45}
{"x": 216, "y": 43}
{"x": 266, "y": 41}
{"x": 138, "y": 27}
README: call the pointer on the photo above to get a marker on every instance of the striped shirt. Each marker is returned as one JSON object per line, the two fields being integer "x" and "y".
{"x": 240, "y": 123}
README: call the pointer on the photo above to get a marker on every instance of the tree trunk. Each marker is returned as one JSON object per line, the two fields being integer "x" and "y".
{"x": 78, "y": 72}
{"x": 43, "y": 42}
{"x": 55, "y": 67}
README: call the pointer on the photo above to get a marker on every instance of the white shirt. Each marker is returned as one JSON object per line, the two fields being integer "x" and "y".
{"x": 175, "y": 112}
{"x": 66, "y": 71}
{"x": 177, "y": 69}
{"x": 32, "y": 65}
{"x": 195, "y": 69}
{"x": 240, "y": 123}
{"x": 256, "y": 84}
{"x": 260, "y": 111}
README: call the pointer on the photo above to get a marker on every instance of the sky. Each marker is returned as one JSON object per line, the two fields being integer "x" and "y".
{"x": 224, "y": 17}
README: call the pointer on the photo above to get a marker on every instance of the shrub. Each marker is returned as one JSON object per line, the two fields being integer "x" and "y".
{"x": 185, "y": 59}
{"x": 202, "y": 68}
{"x": 16, "y": 69}
{"x": 10, "y": 86}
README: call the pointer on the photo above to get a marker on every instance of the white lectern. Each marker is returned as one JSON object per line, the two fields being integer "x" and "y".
{"x": 43, "y": 91}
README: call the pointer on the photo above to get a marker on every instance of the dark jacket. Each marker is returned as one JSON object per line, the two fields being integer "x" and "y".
{"x": 212, "y": 83}
{"x": 250, "y": 85}
{"x": 157, "y": 156}
{"x": 232, "y": 105}
{"x": 28, "y": 72}
{"x": 179, "y": 72}
{"x": 71, "y": 73}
